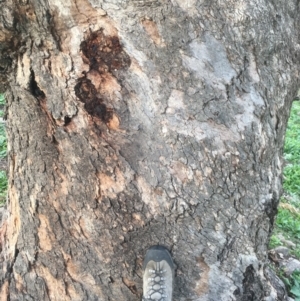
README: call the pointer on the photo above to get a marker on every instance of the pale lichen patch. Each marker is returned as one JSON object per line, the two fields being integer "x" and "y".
{"x": 253, "y": 69}
{"x": 189, "y": 6}
{"x": 23, "y": 71}
{"x": 149, "y": 197}
{"x": 181, "y": 171}
{"x": 61, "y": 65}
{"x": 138, "y": 219}
{"x": 86, "y": 227}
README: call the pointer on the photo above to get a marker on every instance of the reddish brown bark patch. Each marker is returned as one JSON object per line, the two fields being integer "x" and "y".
{"x": 104, "y": 53}
{"x": 131, "y": 285}
{"x": 202, "y": 284}
{"x": 152, "y": 30}
{"x": 4, "y": 291}
{"x": 106, "y": 58}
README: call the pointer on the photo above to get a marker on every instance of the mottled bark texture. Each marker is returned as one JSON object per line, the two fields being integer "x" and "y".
{"x": 141, "y": 122}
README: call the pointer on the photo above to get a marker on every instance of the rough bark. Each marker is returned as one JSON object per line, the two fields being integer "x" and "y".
{"x": 133, "y": 123}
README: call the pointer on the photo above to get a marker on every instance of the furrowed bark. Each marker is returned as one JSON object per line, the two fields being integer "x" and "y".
{"x": 133, "y": 123}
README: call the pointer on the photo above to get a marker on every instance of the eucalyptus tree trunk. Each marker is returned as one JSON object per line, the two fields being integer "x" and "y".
{"x": 142, "y": 122}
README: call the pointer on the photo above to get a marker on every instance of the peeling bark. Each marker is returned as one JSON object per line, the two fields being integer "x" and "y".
{"x": 133, "y": 123}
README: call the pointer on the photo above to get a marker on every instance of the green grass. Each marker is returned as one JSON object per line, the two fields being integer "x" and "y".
{"x": 274, "y": 242}
{"x": 2, "y": 104}
{"x": 289, "y": 223}
{"x": 3, "y": 186}
{"x": 292, "y": 283}
{"x": 287, "y": 229}
{"x": 292, "y": 137}
{"x": 288, "y": 217}
{"x": 2, "y": 99}
{"x": 3, "y": 141}
{"x": 291, "y": 182}
{"x": 287, "y": 226}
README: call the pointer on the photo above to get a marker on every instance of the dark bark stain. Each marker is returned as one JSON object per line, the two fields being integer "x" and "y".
{"x": 252, "y": 286}
{"x": 5, "y": 63}
{"x": 34, "y": 88}
{"x": 105, "y": 55}
{"x": 93, "y": 104}
{"x": 271, "y": 210}
{"x": 67, "y": 120}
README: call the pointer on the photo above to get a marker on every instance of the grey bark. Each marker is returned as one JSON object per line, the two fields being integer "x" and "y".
{"x": 133, "y": 123}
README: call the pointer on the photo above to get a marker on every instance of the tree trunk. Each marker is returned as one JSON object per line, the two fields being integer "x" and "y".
{"x": 142, "y": 122}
